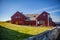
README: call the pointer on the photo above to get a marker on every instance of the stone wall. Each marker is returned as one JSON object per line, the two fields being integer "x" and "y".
{"x": 47, "y": 35}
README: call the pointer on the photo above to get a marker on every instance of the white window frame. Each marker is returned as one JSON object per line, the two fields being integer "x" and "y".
{"x": 40, "y": 22}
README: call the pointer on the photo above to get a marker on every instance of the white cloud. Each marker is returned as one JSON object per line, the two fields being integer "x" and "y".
{"x": 45, "y": 9}
{"x": 57, "y": 10}
{"x": 56, "y": 18}
{"x": 48, "y": 9}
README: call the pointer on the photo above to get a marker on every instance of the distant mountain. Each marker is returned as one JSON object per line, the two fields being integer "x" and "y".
{"x": 57, "y": 23}
{"x": 8, "y": 21}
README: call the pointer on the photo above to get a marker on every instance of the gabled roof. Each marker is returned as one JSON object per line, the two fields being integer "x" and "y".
{"x": 18, "y": 14}
{"x": 31, "y": 16}
{"x": 44, "y": 12}
{"x": 34, "y": 16}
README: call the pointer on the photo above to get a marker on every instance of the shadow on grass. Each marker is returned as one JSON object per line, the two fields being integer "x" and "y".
{"x": 8, "y": 34}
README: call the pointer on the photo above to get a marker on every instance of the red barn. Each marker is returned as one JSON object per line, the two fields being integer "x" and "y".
{"x": 32, "y": 19}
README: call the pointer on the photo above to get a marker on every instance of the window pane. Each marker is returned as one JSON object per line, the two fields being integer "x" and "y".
{"x": 40, "y": 22}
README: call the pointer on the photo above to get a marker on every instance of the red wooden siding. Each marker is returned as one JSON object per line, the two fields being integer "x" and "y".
{"x": 42, "y": 19}
{"x": 30, "y": 22}
{"x": 18, "y": 18}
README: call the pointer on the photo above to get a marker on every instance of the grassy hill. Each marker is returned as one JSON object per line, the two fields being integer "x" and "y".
{"x": 10, "y": 31}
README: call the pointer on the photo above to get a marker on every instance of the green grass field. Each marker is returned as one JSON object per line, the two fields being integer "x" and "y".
{"x": 10, "y": 31}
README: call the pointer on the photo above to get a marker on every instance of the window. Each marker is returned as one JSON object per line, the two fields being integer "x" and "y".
{"x": 27, "y": 18}
{"x": 40, "y": 22}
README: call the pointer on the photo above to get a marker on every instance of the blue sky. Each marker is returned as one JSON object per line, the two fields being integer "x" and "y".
{"x": 9, "y": 7}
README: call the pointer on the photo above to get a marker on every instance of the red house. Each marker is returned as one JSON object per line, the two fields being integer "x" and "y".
{"x": 43, "y": 19}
